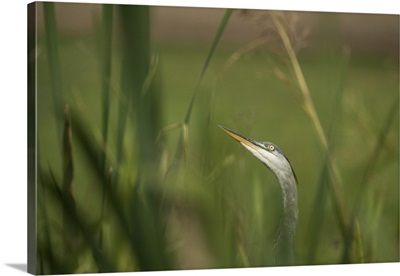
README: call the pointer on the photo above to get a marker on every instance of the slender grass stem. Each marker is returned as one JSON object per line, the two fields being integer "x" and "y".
{"x": 54, "y": 64}
{"x": 210, "y": 54}
{"x": 360, "y": 252}
{"x": 308, "y": 107}
{"x": 214, "y": 44}
{"x": 71, "y": 233}
{"x": 107, "y": 26}
{"x": 369, "y": 170}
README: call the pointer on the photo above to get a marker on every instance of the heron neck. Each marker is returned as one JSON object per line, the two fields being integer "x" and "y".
{"x": 284, "y": 241}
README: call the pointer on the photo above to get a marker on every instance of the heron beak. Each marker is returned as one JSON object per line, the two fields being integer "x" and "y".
{"x": 243, "y": 140}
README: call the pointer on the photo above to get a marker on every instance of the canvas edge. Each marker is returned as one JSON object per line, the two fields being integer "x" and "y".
{"x": 31, "y": 150}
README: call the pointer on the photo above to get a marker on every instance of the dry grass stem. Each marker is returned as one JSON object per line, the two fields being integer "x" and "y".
{"x": 308, "y": 107}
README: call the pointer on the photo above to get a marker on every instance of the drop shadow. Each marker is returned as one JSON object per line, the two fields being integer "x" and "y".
{"x": 21, "y": 267}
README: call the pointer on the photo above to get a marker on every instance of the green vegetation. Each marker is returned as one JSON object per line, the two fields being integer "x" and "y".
{"x": 127, "y": 182}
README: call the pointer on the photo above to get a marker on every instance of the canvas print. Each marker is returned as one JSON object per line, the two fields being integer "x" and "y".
{"x": 178, "y": 138}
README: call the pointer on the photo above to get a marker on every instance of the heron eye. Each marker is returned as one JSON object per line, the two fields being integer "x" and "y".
{"x": 271, "y": 147}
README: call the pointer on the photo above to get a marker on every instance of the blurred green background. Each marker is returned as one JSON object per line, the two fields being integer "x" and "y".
{"x": 130, "y": 178}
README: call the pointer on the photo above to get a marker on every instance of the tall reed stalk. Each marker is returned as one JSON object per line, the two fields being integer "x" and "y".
{"x": 308, "y": 107}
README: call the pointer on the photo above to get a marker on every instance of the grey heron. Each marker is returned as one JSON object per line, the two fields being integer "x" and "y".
{"x": 273, "y": 158}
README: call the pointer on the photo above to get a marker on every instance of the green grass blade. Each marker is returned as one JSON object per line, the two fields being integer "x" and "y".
{"x": 369, "y": 170}
{"x": 74, "y": 219}
{"x": 138, "y": 84}
{"x": 214, "y": 44}
{"x": 317, "y": 218}
{"x": 106, "y": 68}
{"x": 210, "y": 54}
{"x": 142, "y": 209}
{"x": 134, "y": 23}
{"x": 149, "y": 231}
{"x": 71, "y": 234}
{"x": 44, "y": 230}
{"x": 54, "y": 63}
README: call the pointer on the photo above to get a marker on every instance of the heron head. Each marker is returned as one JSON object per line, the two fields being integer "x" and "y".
{"x": 268, "y": 153}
